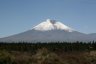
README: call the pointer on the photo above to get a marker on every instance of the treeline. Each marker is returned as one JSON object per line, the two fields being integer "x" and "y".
{"x": 52, "y": 46}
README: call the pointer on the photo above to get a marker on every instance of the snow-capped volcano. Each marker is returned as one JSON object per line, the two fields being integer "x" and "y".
{"x": 49, "y": 31}
{"x": 52, "y": 25}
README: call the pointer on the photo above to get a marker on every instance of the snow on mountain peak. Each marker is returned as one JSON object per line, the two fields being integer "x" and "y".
{"x": 52, "y": 25}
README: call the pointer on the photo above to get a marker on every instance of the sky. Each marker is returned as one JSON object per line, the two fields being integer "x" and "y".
{"x": 17, "y": 16}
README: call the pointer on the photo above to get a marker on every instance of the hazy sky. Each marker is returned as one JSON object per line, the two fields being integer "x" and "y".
{"x": 20, "y": 15}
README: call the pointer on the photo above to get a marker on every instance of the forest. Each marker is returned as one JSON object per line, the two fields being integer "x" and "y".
{"x": 48, "y": 53}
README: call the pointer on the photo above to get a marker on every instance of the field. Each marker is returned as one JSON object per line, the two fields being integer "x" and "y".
{"x": 48, "y": 53}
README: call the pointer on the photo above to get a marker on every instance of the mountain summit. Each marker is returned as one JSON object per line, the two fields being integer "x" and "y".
{"x": 52, "y": 25}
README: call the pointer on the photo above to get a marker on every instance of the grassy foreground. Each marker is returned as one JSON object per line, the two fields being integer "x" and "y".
{"x": 47, "y": 54}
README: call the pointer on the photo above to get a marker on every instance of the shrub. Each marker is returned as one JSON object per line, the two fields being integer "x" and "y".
{"x": 6, "y": 58}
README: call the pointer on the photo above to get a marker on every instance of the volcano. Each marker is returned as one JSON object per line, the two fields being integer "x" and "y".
{"x": 49, "y": 31}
